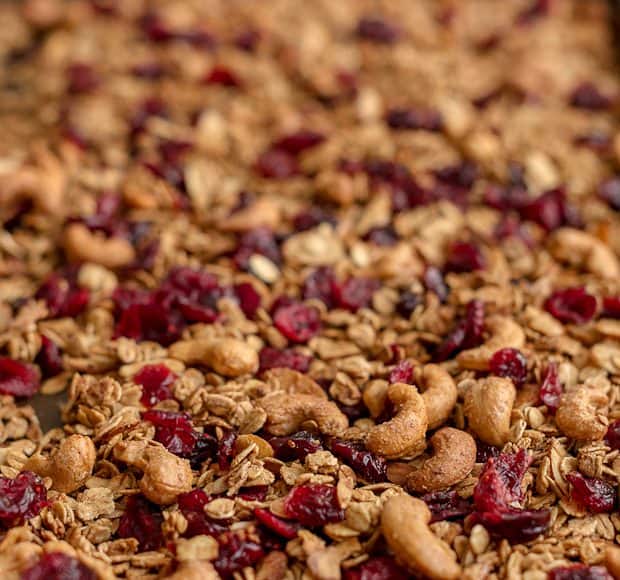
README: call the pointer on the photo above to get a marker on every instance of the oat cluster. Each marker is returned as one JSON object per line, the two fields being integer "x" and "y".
{"x": 328, "y": 289}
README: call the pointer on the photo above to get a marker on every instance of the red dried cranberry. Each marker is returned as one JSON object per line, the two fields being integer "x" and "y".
{"x": 509, "y": 363}
{"x": 148, "y": 322}
{"x": 281, "y": 527}
{"x": 155, "y": 29}
{"x": 367, "y": 465}
{"x": 313, "y": 505}
{"x": 598, "y": 141}
{"x": 382, "y": 236}
{"x": 434, "y": 282}
{"x": 611, "y": 307}
{"x": 149, "y": 70}
{"x": 62, "y": 297}
{"x": 377, "y": 30}
{"x": 21, "y": 498}
{"x": 579, "y": 572}
{"x": 149, "y": 108}
{"x": 236, "y": 551}
{"x": 156, "y": 381}
{"x": 295, "y": 446}
{"x": 221, "y": 75}
{"x": 446, "y": 505}
{"x": 588, "y": 96}
{"x": 257, "y": 241}
{"x": 402, "y": 372}
{"x": 424, "y": 119}
{"x": 461, "y": 176}
{"x": 571, "y": 305}
{"x": 312, "y": 217}
{"x": 550, "y": 210}
{"x": 142, "y": 520}
{"x": 407, "y": 303}
{"x": 484, "y": 451}
{"x": 551, "y": 389}
{"x": 296, "y": 143}
{"x": 249, "y": 298}
{"x": 81, "y": 78}
{"x": 49, "y": 358}
{"x": 173, "y": 430}
{"x": 58, "y": 566}
{"x": 612, "y": 437}
{"x": 321, "y": 285}
{"x": 17, "y": 378}
{"x": 226, "y": 449}
{"x": 248, "y": 40}
{"x": 609, "y": 190}
{"x": 506, "y": 198}
{"x": 592, "y": 493}
{"x": 466, "y": 334}
{"x": 516, "y": 526}
{"x": 378, "y": 568}
{"x": 192, "y": 506}
{"x": 272, "y": 358}
{"x": 254, "y": 493}
{"x": 297, "y": 322}
{"x": 537, "y": 9}
{"x": 464, "y": 257}
{"x": 276, "y": 164}
{"x": 355, "y": 293}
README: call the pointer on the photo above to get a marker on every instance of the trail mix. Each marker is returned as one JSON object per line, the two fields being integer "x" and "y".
{"x": 332, "y": 290}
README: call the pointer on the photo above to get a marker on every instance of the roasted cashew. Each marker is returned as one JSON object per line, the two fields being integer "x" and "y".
{"x": 404, "y": 522}
{"x": 582, "y": 249}
{"x": 82, "y": 245}
{"x": 405, "y": 432}
{"x": 165, "y": 475}
{"x": 453, "y": 459}
{"x": 612, "y": 561}
{"x": 504, "y": 332}
{"x": 230, "y": 357}
{"x": 578, "y": 415}
{"x": 69, "y": 466}
{"x": 439, "y": 393}
{"x": 488, "y": 406}
{"x": 287, "y": 412}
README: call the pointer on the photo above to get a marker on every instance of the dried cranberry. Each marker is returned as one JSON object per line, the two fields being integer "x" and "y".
{"x": 156, "y": 381}
{"x": 369, "y": 466}
{"x": 551, "y": 389}
{"x": 434, "y": 282}
{"x": 464, "y": 257}
{"x": 249, "y": 298}
{"x": 462, "y": 175}
{"x": 295, "y": 446}
{"x": 148, "y": 322}
{"x": 21, "y": 498}
{"x": 598, "y": 141}
{"x": 58, "y": 566}
{"x": 191, "y": 505}
{"x": 402, "y": 372}
{"x": 446, "y": 505}
{"x": 312, "y": 217}
{"x": 221, "y": 75}
{"x": 49, "y": 358}
{"x": 484, "y": 451}
{"x": 313, "y": 504}
{"x": 537, "y": 9}
{"x": 321, "y": 285}
{"x": 612, "y": 437}
{"x": 297, "y": 322}
{"x": 257, "y": 241}
{"x": 579, "y": 572}
{"x": 382, "y": 236}
{"x": 611, "y": 307}
{"x": 550, "y": 210}
{"x": 81, "y": 78}
{"x": 609, "y": 190}
{"x": 592, "y": 493}
{"x": 281, "y": 527}
{"x": 466, "y": 334}
{"x": 425, "y": 119}
{"x": 142, "y": 520}
{"x": 588, "y": 96}
{"x": 378, "y": 568}
{"x": 407, "y": 303}
{"x": 514, "y": 525}
{"x": 173, "y": 430}
{"x": 248, "y": 40}
{"x": 148, "y": 70}
{"x": 276, "y": 164}
{"x": 271, "y": 358}
{"x": 17, "y": 378}
{"x": 355, "y": 293}
{"x": 254, "y": 493}
{"x": 236, "y": 551}
{"x": 226, "y": 449}
{"x": 296, "y": 143}
{"x": 62, "y": 297}
{"x": 509, "y": 363}
{"x": 377, "y": 30}
{"x": 571, "y": 305}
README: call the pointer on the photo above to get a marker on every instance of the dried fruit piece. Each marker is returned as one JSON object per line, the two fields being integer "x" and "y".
{"x": 192, "y": 506}
{"x": 446, "y": 505}
{"x": 236, "y": 551}
{"x": 571, "y": 305}
{"x": 402, "y": 372}
{"x": 371, "y": 467}
{"x": 58, "y": 566}
{"x": 407, "y": 303}
{"x": 295, "y": 446}
{"x": 142, "y": 520}
{"x": 588, "y": 96}
{"x": 17, "y": 378}
{"x": 509, "y": 363}
{"x": 377, "y": 30}
{"x": 377, "y": 568}
{"x": 62, "y": 296}
{"x": 272, "y": 358}
{"x": 313, "y": 505}
{"x": 464, "y": 257}
{"x": 592, "y": 493}
{"x": 355, "y": 293}
{"x": 49, "y": 358}
{"x": 466, "y": 334}
{"x": 277, "y": 525}
{"x": 609, "y": 190}
{"x": 425, "y": 119}
{"x": 155, "y": 380}
{"x": 297, "y": 322}
{"x": 612, "y": 438}
{"x": 21, "y": 498}
{"x": 173, "y": 430}
{"x": 579, "y": 572}
{"x": 551, "y": 389}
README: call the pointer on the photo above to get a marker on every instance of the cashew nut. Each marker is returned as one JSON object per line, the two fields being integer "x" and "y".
{"x": 165, "y": 475}
{"x": 582, "y": 249}
{"x": 612, "y": 561}
{"x": 287, "y": 412}
{"x": 405, "y": 432}
{"x": 69, "y": 465}
{"x": 453, "y": 460}
{"x": 488, "y": 406}
{"x": 578, "y": 415}
{"x": 230, "y": 357}
{"x": 404, "y": 522}
{"x": 504, "y": 332}
{"x": 82, "y": 245}
{"x": 439, "y": 393}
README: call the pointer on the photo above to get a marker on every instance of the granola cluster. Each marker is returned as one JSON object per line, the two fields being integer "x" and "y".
{"x": 329, "y": 289}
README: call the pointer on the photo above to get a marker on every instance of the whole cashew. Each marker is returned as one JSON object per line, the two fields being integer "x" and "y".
{"x": 453, "y": 460}
{"x": 69, "y": 466}
{"x": 230, "y": 357}
{"x": 405, "y": 432}
{"x": 404, "y": 522}
{"x": 504, "y": 332}
{"x": 579, "y": 248}
{"x": 439, "y": 393}
{"x": 612, "y": 561}
{"x": 165, "y": 475}
{"x": 82, "y": 245}
{"x": 578, "y": 415}
{"x": 488, "y": 406}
